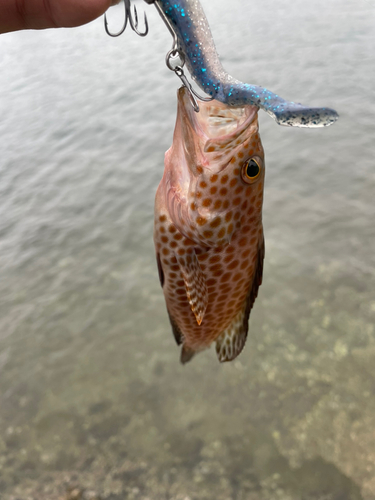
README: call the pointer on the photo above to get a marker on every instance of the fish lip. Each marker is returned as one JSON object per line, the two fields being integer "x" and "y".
{"x": 196, "y": 120}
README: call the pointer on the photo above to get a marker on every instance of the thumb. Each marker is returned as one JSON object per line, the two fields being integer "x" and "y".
{"x": 41, "y": 14}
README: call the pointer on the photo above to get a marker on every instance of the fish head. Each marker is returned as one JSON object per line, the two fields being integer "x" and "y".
{"x": 215, "y": 170}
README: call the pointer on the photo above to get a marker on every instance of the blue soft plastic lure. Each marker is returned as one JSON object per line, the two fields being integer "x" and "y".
{"x": 189, "y": 24}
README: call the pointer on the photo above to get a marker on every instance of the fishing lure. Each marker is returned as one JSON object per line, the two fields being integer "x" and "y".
{"x": 208, "y": 229}
{"x": 193, "y": 43}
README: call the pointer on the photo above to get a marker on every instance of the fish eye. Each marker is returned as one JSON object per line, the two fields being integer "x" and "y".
{"x": 251, "y": 169}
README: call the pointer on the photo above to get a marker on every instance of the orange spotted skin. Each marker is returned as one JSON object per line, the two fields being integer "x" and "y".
{"x": 208, "y": 223}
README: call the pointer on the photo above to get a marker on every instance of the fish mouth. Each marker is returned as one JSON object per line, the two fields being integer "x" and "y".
{"x": 216, "y": 120}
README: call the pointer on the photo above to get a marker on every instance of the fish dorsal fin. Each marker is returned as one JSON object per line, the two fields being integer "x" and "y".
{"x": 231, "y": 341}
{"x": 160, "y": 269}
{"x": 195, "y": 282}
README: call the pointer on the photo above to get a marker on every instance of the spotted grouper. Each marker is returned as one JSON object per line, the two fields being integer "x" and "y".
{"x": 208, "y": 226}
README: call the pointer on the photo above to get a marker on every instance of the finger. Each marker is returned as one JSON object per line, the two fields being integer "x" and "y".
{"x": 41, "y": 14}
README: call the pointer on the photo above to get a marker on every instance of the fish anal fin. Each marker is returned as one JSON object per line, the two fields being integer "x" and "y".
{"x": 231, "y": 341}
{"x": 186, "y": 354}
{"x": 195, "y": 283}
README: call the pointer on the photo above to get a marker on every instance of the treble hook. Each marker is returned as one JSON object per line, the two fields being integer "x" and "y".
{"x": 133, "y": 21}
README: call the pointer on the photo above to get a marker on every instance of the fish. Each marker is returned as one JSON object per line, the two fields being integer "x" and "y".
{"x": 208, "y": 230}
{"x": 193, "y": 41}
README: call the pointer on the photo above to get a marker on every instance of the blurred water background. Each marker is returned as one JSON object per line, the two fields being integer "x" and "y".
{"x": 93, "y": 400}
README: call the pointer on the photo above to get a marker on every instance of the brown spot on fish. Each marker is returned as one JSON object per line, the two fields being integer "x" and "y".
{"x": 206, "y": 202}
{"x": 217, "y": 204}
{"x": 211, "y": 282}
{"x": 214, "y": 178}
{"x": 224, "y": 179}
{"x": 201, "y": 221}
{"x": 216, "y": 222}
{"x": 228, "y": 258}
{"x": 221, "y": 233}
{"x": 204, "y": 256}
{"x": 162, "y": 218}
{"x": 214, "y": 259}
{"x": 233, "y": 264}
{"x": 213, "y": 190}
{"x": 225, "y": 204}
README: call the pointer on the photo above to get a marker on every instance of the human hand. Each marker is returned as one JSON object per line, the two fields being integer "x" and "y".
{"x": 40, "y": 14}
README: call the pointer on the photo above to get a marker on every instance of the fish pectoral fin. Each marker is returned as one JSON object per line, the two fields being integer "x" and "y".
{"x": 195, "y": 283}
{"x": 231, "y": 341}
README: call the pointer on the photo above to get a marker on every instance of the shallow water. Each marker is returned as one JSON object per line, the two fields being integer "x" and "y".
{"x": 93, "y": 400}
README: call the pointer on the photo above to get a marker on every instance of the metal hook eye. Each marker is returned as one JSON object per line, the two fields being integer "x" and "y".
{"x": 174, "y": 54}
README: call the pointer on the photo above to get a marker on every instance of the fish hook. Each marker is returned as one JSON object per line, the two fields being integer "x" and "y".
{"x": 133, "y": 21}
{"x": 175, "y": 52}
{"x": 178, "y": 70}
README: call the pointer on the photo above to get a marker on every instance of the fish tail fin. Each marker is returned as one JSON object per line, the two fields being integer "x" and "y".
{"x": 186, "y": 354}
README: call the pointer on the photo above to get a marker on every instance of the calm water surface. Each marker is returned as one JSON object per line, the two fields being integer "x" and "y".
{"x": 93, "y": 400}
